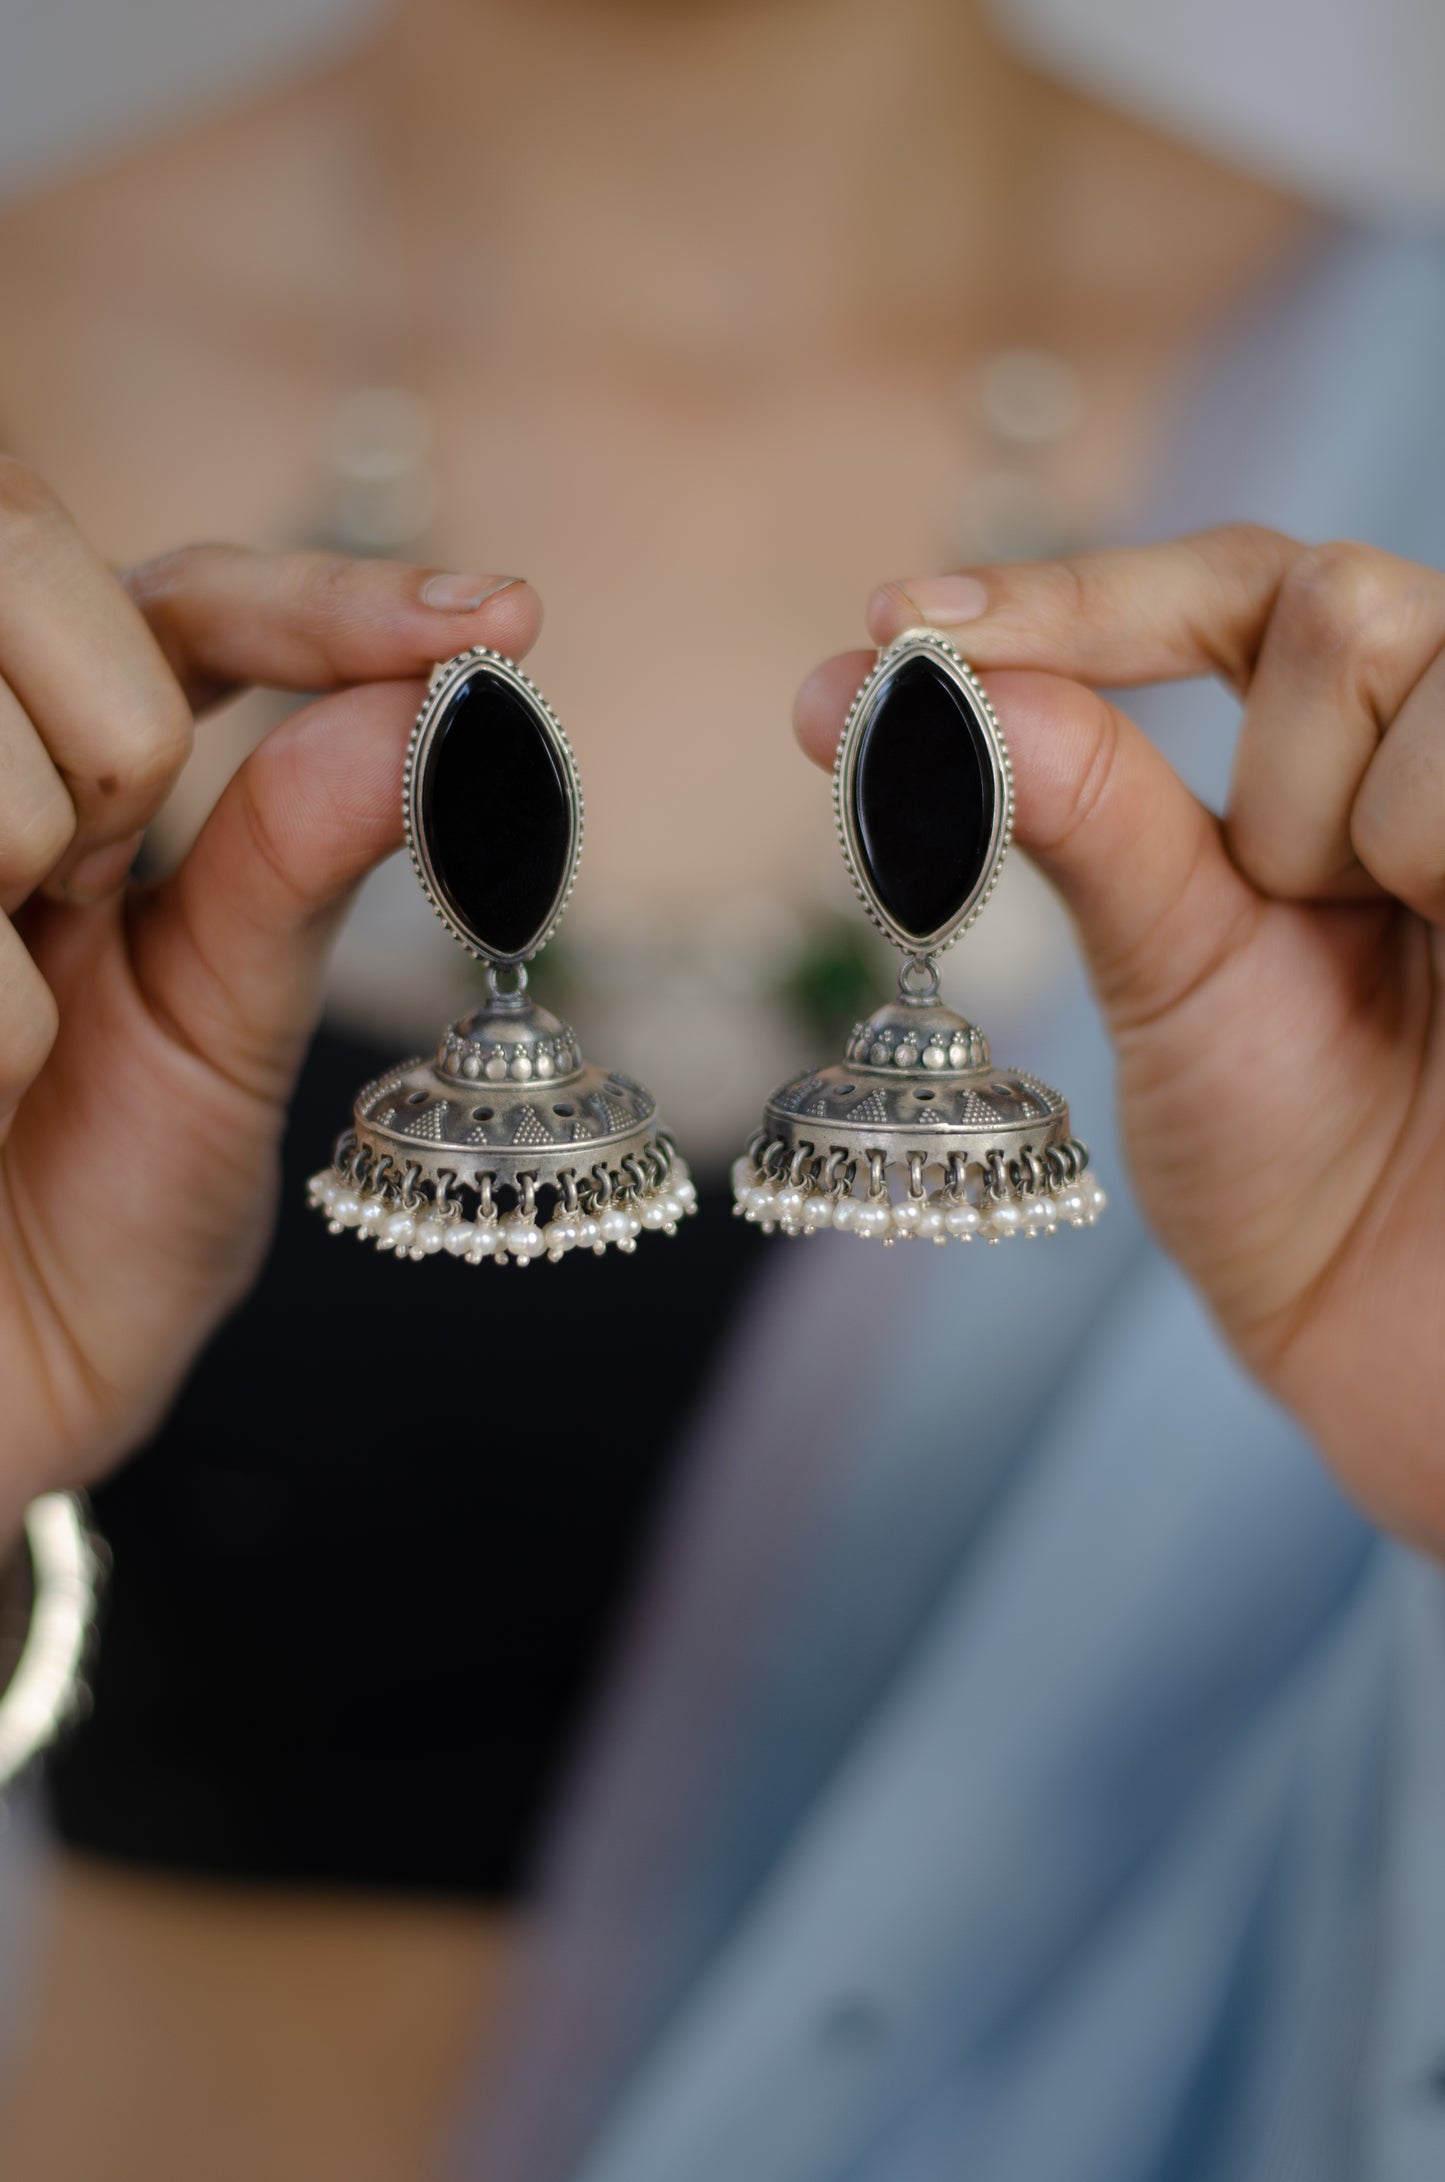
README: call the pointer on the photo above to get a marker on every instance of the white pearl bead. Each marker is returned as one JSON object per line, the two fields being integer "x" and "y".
{"x": 760, "y": 1203}
{"x": 743, "y": 1178}
{"x": 522, "y": 1237}
{"x": 562, "y": 1234}
{"x": 345, "y": 1210}
{"x": 674, "y": 1207}
{"x": 589, "y": 1236}
{"x": 654, "y": 1215}
{"x": 873, "y": 1220}
{"x": 789, "y": 1203}
{"x": 430, "y": 1235}
{"x": 1095, "y": 1198}
{"x": 614, "y": 1226}
{"x": 324, "y": 1186}
{"x": 905, "y": 1216}
{"x": 486, "y": 1242}
{"x": 458, "y": 1237}
{"x": 1073, "y": 1207}
{"x": 374, "y": 1213}
{"x": 962, "y": 1221}
{"x": 684, "y": 1189}
{"x": 930, "y": 1224}
{"x": 845, "y": 1213}
{"x": 817, "y": 1212}
{"x": 398, "y": 1230}
{"x": 1038, "y": 1216}
{"x": 1002, "y": 1221}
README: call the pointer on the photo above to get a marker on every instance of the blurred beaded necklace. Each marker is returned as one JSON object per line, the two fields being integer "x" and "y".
{"x": 1025, "y": 405}
{"x": 701, "y": 1004}
{"x": 1022, "y": 405}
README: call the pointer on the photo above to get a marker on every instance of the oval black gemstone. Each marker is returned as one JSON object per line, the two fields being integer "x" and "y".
{"x": 495, "y": 813}
{"x": 923, "y": 796}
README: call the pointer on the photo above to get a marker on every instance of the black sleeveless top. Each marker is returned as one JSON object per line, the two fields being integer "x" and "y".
{"x": 366, "y": 1574}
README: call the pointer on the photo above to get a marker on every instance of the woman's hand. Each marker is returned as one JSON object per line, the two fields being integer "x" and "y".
{"x": 149, "y": 1036}
{"x": 1275, "y": 984}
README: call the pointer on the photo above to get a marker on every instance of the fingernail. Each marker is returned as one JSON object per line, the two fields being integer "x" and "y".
{"x": 464, "y": 594}
{"x": 937, "y": 599}
{"x": 100, "y": 873}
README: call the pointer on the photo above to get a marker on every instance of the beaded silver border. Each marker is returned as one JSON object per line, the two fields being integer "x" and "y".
{"x": 444, "y": 680}
{"x": 909, "y": 645}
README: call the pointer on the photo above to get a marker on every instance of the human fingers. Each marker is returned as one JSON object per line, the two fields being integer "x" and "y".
{"x": 1322, "y": 642}
{"x": 226, "y": 616}
{"x": 1351, "y": 633}
{"x": 1139, "y": 860}
{"x": 28, "y": 1022}
{"x": 1397, "y": 824}
{"x": 90, "y": 680}
{"x": 37, "y": 817}
{"x": 229, "y": 951}
{"x": 1156, "y": 613}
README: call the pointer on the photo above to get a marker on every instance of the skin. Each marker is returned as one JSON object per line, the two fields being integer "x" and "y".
{"x": 676, "y": 431}
{"x": 148, "y": 1041}
{"x": 252, "y": 2088}
{"x": 1298, "y": 943}
{"x": 1272, "y": 982}
{"x": 149, "y": 1037}
{"x": 703, "y": 417}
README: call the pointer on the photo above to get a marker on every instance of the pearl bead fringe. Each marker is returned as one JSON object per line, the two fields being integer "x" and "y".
{"x": 416, "y": 1227}
{"x": 941, "y": 1216}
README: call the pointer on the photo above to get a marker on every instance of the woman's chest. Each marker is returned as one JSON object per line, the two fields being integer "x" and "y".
{"x": 700, "y": 540}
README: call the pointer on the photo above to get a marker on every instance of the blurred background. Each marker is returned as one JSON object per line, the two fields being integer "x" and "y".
{"x": 1342, "y": 101}
{"x": 705, "y": 316}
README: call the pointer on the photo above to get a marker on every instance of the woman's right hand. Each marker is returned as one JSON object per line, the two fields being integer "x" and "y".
{"x": 1274, "y": 981}
{"x": 150, "y": 1036}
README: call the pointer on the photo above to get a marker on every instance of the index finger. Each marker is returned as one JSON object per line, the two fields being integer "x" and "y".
{"x": 1197, "y": 605}
{"x": 226, "y": 616}
{"x": 87, "y": 677}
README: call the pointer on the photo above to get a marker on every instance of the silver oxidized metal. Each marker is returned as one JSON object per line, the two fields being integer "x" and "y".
{"x": 915, "y": 1134}
{"x": 49, "y": 1589}
{"x": 506, "y": 1144}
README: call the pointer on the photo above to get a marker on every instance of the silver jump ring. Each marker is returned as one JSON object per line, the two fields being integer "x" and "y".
{"x": 495, "y": 974}
{"x": 918, "y": 967}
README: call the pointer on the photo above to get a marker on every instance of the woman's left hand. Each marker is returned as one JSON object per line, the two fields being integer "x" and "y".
{"x": 1274, "y": 982}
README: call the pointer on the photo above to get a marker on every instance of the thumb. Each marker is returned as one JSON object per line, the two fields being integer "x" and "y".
{"x": 1137, "y": 857}
{"x": 231, "y": 950}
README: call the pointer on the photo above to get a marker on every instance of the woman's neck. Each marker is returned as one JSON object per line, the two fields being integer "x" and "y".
{"x": 714, "y": 191}
{"x": 726, "y": 184}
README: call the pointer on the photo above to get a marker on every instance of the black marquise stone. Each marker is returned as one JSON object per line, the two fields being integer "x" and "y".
{"x": 495, "y": 811}
{"x": 923, "y": 798}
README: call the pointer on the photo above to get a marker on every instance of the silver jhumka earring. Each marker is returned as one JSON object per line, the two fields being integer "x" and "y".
{"x": 506, "y": 1145}
{"x": 915, "y": 1134}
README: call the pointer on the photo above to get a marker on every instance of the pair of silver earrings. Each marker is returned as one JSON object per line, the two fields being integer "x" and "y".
{"x": 508, "y": 1145}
